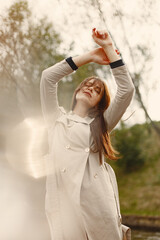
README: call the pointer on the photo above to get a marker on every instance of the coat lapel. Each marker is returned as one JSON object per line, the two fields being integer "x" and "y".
{"x": 74, "y": 117}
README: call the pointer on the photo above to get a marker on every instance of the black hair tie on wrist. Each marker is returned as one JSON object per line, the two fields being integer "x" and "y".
{"x": 71, "y": 63}
{"x": 117, "y": 63}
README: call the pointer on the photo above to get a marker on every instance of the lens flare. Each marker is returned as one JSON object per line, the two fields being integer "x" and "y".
{"x": 27, "y": 146}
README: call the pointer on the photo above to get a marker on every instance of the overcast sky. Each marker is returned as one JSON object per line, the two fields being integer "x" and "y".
{"x": 66, "y": 22}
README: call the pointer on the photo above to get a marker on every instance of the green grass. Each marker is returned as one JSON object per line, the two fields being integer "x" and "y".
{"x": 139, "y": 191}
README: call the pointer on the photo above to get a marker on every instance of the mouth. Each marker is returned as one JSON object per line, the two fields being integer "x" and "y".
{"x": 87, "y": 93}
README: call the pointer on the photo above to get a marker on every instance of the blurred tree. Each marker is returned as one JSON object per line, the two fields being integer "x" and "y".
{"x": 129, "y": 143}
{"x": 26, "y": 49}
{"x": 125, "y": 26}
{"x": 139, "y": 50}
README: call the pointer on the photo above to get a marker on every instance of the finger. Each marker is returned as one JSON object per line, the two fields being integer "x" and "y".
{"x": 98, "y": 34}
{"x": 100, "y": 31}
{"x": 94, "y": 32}
{"x": 94, "y": 36}
{"x": 117, "y": 51}
{"x": 101, "y": 34}
{"x": 104, "y": 36}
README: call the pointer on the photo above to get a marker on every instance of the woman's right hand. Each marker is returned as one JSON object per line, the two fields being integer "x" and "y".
{"x": 102, "y": 55}
{"x": 102, "y": 38}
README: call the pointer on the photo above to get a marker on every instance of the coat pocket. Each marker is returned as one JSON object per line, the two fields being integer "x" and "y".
{"x": 126, "y": 232}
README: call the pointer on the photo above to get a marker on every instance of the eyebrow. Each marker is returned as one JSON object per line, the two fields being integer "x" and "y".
{"x": 99, "y": 85}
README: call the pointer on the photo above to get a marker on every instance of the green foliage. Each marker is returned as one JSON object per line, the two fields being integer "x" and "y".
{"x": 27, "y": 48}
{"x": 129, "y": 142}
{"x": 138, "y": 182}
{"x": 18, "y": 12}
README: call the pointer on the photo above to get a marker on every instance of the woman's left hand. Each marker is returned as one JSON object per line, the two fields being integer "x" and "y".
{"x": 99, "y": 56}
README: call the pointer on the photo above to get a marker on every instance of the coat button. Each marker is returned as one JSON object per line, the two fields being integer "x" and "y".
{"x": 86, "y": 149}
{"x": 63, "y": 169}
{"x": 68, "y": 146}
{"x": 96, "y": 175}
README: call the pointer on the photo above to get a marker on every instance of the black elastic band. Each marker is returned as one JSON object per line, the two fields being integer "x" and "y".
{"x": 117, "y": 63}
{"x": 71, "y": 63}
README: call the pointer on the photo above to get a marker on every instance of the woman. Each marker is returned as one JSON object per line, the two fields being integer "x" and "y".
{"x": 81, "y": 195}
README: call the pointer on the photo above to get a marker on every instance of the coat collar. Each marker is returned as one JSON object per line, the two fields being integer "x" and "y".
{"x": 72, "y": 116}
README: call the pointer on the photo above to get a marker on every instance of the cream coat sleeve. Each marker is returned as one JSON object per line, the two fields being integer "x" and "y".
{"x": 48, "y": 90}
{"x": 122, "y": 99}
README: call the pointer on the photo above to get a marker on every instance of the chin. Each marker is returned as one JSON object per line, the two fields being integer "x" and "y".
{"x": 84, "y": 100}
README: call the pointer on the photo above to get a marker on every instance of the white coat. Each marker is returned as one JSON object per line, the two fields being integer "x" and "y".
{"x": 80, "y": 199}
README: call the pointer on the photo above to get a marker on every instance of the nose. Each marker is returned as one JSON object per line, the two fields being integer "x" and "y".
{"x": 90, "y": 88}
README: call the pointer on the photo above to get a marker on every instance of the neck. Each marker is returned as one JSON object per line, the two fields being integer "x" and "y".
{"x": 80, "y": 109}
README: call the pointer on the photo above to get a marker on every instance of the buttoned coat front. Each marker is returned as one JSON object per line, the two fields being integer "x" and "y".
{"x": 81, "y": 195}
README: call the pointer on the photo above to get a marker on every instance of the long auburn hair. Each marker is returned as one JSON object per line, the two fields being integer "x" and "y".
{"x": 102, "y": 142}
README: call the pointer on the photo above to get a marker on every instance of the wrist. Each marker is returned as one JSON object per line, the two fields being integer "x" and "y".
{"x": 111, "y": 54}
{"x": 109, "y": 48}
{"x": 92, "y": 54}
{"x": 82, "y": 59}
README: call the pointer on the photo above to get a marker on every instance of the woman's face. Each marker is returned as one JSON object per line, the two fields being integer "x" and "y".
{"x": 91, "y": 93}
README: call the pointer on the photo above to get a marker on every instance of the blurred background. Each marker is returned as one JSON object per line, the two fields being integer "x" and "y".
{"x": 35, "y": 35}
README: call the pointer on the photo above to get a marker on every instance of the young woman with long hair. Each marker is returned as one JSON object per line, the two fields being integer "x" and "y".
{"x": 81, "y": 194}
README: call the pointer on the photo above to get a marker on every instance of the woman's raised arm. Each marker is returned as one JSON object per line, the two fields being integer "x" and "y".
{"x": 123, "y": 97}
{"x": 48, "y": 90}
{"x": 125, "y": 87}
{"x": 52, "y": 75}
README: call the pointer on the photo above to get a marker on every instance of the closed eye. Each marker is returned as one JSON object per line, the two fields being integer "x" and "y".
{"x": 98, "y": 90}
{"x": 88, "y": 84}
